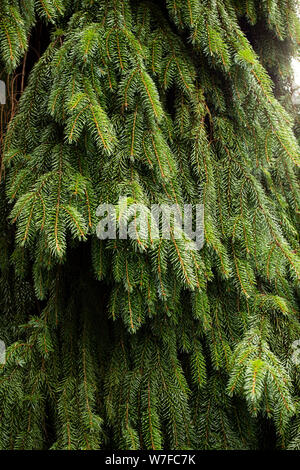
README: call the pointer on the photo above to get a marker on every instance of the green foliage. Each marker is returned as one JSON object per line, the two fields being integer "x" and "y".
{"x": 131, "y": 344}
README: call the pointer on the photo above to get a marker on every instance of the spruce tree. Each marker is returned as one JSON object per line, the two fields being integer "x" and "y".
{"x": 142, "y": 344}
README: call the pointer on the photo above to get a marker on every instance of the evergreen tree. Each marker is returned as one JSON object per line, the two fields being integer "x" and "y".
{"x": 146, "y": 344}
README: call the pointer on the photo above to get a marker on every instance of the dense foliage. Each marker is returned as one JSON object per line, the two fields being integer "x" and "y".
{"x": 131, "y": 344}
